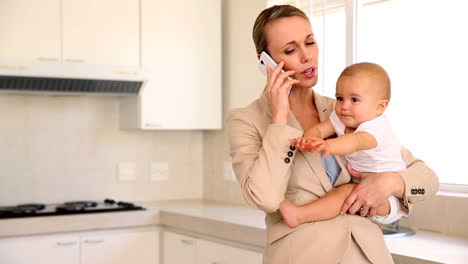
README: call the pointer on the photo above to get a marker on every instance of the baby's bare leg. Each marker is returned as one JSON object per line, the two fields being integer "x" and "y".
{"x": 324, "y": 208}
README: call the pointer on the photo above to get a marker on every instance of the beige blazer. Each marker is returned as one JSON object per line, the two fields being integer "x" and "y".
{"x": 266, "y": 172}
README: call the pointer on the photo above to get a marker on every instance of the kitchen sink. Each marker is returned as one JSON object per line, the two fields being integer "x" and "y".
{"x": 394, "y": 231}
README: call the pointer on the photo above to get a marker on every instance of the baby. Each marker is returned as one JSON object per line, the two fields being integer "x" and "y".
{"x": 365, "y": 137}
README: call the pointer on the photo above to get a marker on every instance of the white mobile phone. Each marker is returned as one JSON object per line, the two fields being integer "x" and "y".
{"x": 264, "y": 61}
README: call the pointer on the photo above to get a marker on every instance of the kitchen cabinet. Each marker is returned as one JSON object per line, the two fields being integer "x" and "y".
{"x": 179, "y": 248}
{"x": 104, "y": 32}
{"x": 117, "y": 247}
{"x": 181, "y": 54}
{"x": 40, "y": 249}
{"x": 215, "y": 253}
{"x": 120, "y": 248}
{"x": 30, "y": 30}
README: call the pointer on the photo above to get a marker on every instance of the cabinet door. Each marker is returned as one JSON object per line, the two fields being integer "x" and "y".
{"x": 178, "y": 249}
{"x": 215, "y": 253}
{"x": 30, "y": 30}
{"x": 54, "y": 249}
{"x": 104, "y": 32}
{"x": 181, "y": 50}
{"x": 120, "y": 248}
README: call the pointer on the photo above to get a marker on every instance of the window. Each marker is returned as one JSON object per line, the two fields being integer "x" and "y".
{"x": 422, "y": 45}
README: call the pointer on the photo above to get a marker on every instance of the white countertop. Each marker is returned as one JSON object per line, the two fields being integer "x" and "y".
{"x": 225, "y": 221}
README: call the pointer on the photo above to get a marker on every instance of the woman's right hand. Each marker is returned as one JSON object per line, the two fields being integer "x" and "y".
{"x": 277, "y": 91}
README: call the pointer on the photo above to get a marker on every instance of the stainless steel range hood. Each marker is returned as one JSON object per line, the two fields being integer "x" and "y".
{"x": 69, "y": 79}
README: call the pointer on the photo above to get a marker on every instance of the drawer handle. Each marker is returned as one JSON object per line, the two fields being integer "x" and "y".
{"x": 94, "y": 241}
{"x": 74, "y": 60}
{"x": 187, "y": 242}
{"x": 152, "y": 125}
{"x": 64, "y": 244}
{"x": 47, "y": 59}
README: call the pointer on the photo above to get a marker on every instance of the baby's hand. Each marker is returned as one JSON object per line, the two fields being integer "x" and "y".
{"x": 303, "y": 143}
{"x": 319, "y": 145}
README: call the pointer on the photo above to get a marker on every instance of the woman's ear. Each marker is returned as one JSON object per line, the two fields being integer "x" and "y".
{"x": 258, "y": 56}
{"x": 381, "y": 106}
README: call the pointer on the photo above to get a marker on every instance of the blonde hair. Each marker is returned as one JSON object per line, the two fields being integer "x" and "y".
{"x": 270, "y": 14}
{"x": 374, "y": 71}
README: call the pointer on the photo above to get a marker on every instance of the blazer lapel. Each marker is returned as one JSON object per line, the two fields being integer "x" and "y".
{"x": 324, "y": 109}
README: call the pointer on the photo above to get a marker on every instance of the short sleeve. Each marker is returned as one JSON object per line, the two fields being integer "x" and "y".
{"x": 337, "y": 124}
{"x": 373, "y": 127}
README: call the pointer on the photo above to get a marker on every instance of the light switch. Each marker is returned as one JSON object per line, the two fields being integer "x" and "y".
{"x": 126, "y": 171}
{"x": 159, "y": 171}
{"x": 229, "y": 174}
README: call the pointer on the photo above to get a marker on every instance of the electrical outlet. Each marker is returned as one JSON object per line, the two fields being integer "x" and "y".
{"x": 126, "y": 171}
{"x": 229, "y": 174}
{"x": 159, "y": 171}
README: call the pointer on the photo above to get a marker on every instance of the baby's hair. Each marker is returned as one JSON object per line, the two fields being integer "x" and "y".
{"x": 374, "y": 71}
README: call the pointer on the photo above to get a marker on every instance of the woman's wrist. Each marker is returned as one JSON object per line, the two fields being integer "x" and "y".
{"x": 398, "y": 185}
{"x": 280, "y": 120}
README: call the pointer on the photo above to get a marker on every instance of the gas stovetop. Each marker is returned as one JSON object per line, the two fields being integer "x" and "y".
{"x": 72, "y": 207}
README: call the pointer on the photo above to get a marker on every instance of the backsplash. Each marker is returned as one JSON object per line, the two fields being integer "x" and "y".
{"x": 58, "y": 148}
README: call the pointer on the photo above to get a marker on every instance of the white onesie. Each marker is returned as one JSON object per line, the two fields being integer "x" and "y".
{"x": 386, "y": 156}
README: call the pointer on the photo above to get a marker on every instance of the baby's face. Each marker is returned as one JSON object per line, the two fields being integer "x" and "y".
{"x": 356, "y": 100}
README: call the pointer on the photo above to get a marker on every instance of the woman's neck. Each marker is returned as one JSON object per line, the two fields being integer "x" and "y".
{"x": 300, "y": 98}
{"x": 301, "y": 103}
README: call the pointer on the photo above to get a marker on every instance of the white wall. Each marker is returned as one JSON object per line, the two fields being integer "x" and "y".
{"x": 242, "y": 83}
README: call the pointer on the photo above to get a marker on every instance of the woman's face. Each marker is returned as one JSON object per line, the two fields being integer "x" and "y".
{"x": 290, "y": 39}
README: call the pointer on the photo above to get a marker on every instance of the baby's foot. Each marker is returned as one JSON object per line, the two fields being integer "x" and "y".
{"x": 289, "y": 212}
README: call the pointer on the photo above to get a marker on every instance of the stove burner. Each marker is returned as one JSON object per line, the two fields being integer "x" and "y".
{"x": 81, "y": 203}
{"x": 7, "y": 211}
{"x": 36, "y": 206}
{"x": 73, "y": 207}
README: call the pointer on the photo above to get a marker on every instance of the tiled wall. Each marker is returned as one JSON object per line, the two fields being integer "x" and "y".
{"x": 57, "y": 148}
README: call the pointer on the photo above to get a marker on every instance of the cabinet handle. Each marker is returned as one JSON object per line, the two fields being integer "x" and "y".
{"x": 64, "y": 244}
{"x": 74, "y": 60}
{"x": 152, "y": 125}
{"x": 47, "y": 59}
{"x": 187, "y": 242}
{"x": 94, "y": 241}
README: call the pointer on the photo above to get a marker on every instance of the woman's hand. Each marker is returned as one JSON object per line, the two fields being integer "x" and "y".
{"x": 277, "y": 92}
{"x": 372, "y": 191}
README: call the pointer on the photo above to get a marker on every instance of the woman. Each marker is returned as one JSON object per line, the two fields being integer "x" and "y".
{"x": 270, "y": 169}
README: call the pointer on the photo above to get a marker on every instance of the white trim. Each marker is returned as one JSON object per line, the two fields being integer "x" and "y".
{"x": 453, "y": 189}
{"x": 324, "y": 34}
{"x": 351, "y": 31}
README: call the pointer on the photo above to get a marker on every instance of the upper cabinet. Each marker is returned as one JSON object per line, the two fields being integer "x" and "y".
{"x": 176, "y": 44}
{"x": 101, "y": 32}
{"x": 181, "y": 53}
{"x": 30, "y": 30}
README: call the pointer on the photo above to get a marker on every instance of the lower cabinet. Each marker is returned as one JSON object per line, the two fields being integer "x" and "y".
{"x": 179, "y": 248}
{"x": 120, "y": 248}
{"x": 123, "y": 246}
{"x": 50, "y": 249}
{"x": 103, "y": 247}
